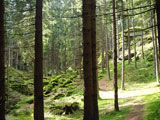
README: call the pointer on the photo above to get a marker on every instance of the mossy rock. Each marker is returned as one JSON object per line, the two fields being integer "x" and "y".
{"x": 48, "y": 88}
{"x": 67, "y": 108}
{"x": 75, "y": 106}
{"x": 24, "y": 112}
{"x": 58, "y": 96}
{"x": 69, "y": 93}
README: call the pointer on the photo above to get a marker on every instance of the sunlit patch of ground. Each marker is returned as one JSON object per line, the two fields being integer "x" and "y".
{"x": 134, "y": 90}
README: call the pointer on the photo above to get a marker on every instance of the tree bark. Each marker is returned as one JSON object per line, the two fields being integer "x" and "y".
{"x": 38, "y": 69}
{"x": 116, "y": 107}
{"x": 142, "y": 44}
{"x": 94, "y": 61}
{"x": 2, "y": 62}
{"x": 129, "y": 42}
{"x": 123, "y": 50}
{"x": 79, "y": 52}
{"x": 135, "y": 62}
{"x": 107, "y": 44}
{"x": 87, "y": 61}
{"x": 158, "y": 24}
{"x": 156, "y": 50}
{"x": 80, "y": 59}
{"x": 52, "y": 58}
{"x": 153, "y": 40}
{"x": 90, "y": 60}
{"x": 118, "y": 42}
{"x": 142, "y": 37}
{"x": 107, "y": 53}
{"x": 102, "y": 42}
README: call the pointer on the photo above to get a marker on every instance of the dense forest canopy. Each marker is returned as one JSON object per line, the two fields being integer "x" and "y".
{"x": 79, "y": 59}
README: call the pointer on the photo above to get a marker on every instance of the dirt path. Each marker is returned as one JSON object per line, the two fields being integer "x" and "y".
{"x": 106, "y": 91}
{"x": 136, "y": 113}
{"x": 104, "y": 85}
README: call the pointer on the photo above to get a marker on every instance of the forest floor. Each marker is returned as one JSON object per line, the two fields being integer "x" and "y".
{"x": 139, "y": 100}
{"x": 132, "y": 93}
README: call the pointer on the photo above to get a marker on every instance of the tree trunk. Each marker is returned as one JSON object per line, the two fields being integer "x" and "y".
{"x": 80, "y": 59}
{"x": 94, "y": 60}
{"x": 107, "y": 44}
{"x": 116, "y": 107}
{"x": 90, "y": 61}
{"x": 123, "y": 50}
{"x": 52, "y": 58}
{"x": 2, "y": 62}
{"x": 142, "y": 45}
{"x": 79, "y": 52}
{"x": 118, "y": 44}
{"x": 17, "y": 54}
{"x": 75, "y": 53}
{"x": 153, "y": 39}
{"x": 129, "y": 42}
{"x": 156, "y": 51}
{"x": 135, "y": 62}
{"x": 87, "y": 61}
{"x": 38, "y": 69}
{"x": 107, "y": 53}
{"x": 65, "y": 55}
{"x": 142, "y": 36}
{"x": 158, "y": 23}
{"x": 9, "y": 56}
{"x": 102, "y": 42}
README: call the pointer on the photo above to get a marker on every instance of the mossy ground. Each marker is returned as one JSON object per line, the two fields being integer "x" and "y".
{"x": 143, "y": 76}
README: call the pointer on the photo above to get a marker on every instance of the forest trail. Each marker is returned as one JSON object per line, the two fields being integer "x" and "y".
{"x": 104, "y": 85}
{"x": 133, "y": 93}
{"x": 136, "y": 112}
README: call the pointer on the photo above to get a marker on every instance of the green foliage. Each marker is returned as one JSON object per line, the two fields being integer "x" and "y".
{"x": 102, "y": 74}
{"x": 143, "y": 74}
{"x": 150, "y": 56}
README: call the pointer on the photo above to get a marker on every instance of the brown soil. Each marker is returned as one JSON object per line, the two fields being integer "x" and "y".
{"x": 136, "y": 113}
{"x": 105, "y": 85}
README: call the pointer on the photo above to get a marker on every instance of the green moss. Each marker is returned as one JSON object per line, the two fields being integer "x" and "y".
{"x": 152, "y": 108}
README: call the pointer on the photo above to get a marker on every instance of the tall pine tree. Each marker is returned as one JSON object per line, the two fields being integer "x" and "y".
{"x": 38, "y": 68}
{"x": 89, "y": 60}
{"x": 116, "y": 107}
{"x": 2, "y": 62}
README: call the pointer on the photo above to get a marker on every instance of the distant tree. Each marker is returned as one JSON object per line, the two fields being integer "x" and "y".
{"x": 2, "y": 62}
{"x": 38, "y": 69}
{"x": 123, "y": 50}
{"x": 142, "y": 37}
{"x": 133, "y": 25}
{"x": 129, "y": 42}
{"x": 107, "y": 43}
{"x": 53, "y": 57}
{"x": 116, "y": 107}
